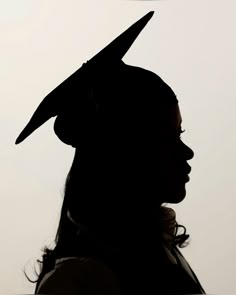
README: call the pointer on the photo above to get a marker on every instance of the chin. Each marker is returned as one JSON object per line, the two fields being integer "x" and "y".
{"x": 174, "y": 197}
{"x": 176, "y": 200}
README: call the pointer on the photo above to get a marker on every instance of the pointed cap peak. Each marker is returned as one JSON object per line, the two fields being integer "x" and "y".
{"x": 116, "y": 50}
{"x": 64, "y": 95}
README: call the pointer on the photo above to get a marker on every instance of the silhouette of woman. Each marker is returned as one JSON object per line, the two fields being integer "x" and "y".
{"x": 115, "y": 234}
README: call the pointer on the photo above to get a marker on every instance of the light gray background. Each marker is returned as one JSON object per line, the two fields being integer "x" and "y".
{"x": 191, "y": 45}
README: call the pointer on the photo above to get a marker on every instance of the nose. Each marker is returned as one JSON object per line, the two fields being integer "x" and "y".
{"x": 188, "y": 152}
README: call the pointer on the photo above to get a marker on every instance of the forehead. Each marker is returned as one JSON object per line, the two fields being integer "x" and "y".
{"x": 171, "y": 118}
{"x": 177, "y": 119}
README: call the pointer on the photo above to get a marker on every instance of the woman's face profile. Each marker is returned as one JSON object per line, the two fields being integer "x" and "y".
{"x": 173, "y": 157}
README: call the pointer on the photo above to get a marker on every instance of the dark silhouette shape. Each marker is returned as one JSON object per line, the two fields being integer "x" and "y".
{"x": 115, "y": 236}
{"x": 57, "y": 101}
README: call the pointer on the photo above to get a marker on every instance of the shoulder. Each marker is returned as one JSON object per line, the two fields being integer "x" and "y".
{"x": 83, "y": 276}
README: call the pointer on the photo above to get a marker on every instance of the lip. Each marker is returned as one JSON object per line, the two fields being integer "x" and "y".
{"x": 183, "y": 178}
{"x": 187, "y": 178}
{"x": 188, "y": 169}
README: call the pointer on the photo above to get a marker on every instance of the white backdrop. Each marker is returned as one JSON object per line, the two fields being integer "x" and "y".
{"x": 191, "y": 45}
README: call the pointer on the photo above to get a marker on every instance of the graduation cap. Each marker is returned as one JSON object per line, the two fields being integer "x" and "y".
{"x": 72, "y": 96}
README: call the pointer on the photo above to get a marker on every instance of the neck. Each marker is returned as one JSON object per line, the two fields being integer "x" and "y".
{"x": 142, "y": 229}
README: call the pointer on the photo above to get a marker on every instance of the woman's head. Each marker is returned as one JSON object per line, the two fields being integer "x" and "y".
{"x": 134, "y": 158}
